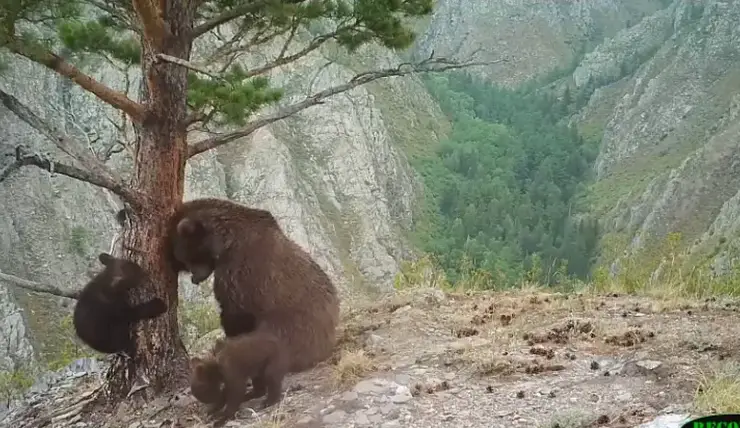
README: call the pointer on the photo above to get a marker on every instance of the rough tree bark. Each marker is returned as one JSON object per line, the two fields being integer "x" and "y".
{"x": 161, "y": 358}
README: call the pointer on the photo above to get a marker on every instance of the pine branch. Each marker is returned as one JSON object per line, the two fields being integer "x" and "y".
{"x": 428, "y": 65}
{"x": 185, "y": 63}
{"x": 282, "y": 59}
{"x": 225, "y": 17}
{"x": 37, "y": 287}
{"x": 155, "y": 29}
{"x": 232, "y": 14}
{"x": 59, "y": 65}
{"x": 279, "y": 61}
{"x": 95, "y": 172}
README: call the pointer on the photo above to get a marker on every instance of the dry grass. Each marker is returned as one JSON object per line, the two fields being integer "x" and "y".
{"x": 569, "y": 419}
{"x": 351, "y": 367}
{"x": 719, "y": 391}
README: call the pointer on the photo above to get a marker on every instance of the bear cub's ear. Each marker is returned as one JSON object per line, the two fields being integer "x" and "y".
{"x": 105, "y": 258}
{"x": 189, "y": 227}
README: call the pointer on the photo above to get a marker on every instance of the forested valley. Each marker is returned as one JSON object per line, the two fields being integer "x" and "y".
{"x": 505, "y": 190}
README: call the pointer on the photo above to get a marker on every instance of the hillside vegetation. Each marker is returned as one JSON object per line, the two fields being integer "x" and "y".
{"x": 503, "y": 190}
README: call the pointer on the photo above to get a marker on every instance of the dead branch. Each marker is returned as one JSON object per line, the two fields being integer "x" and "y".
{"x": 97, "y": 173}
{"x": 187, "y": 64}
{"x": 282, "y": 60}
{"x": 59, "y": 65}
{"x": 428, "y": 65}
{"x": 26, "y": 157}
{"x": 37, "y": 287}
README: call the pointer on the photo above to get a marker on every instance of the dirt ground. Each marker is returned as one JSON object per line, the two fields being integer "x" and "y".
{"x": 431, "y": 359}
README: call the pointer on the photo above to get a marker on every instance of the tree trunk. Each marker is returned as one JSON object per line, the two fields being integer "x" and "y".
{"x": 161, "y": 358}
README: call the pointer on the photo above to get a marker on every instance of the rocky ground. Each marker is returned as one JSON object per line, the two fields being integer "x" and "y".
{"x": 430, "y": 359}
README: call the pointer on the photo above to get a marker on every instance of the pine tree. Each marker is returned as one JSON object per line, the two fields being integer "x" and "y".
{"x": 178, "y": 96}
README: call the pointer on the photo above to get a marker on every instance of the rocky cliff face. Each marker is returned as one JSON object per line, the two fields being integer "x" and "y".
{"x": 669, "y": 158}
{"x": 536, "y": 36}
{"x": 335, "y": 177}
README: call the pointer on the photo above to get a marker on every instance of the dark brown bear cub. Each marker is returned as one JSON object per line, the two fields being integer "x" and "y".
{"x": 103, "y": 316}
{"x": 257, "y": 270}
{"x": 221, "y": 379}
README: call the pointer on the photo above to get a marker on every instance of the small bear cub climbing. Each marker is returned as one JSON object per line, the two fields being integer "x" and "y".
{"x": 102, "y": 316}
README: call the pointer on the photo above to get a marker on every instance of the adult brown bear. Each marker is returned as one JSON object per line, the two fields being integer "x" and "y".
{"x": 257, "y": 271}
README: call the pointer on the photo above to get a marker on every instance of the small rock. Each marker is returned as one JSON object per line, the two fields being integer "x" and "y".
{"x": 449, "y": 376}
{"x": 350, "y": 396}
{"x": 382, "y": 382}
{"x": 520, "y": 394}
{"x": 367, "y": 387}
{"x": 666, "y": 421}
{"x": 393, "y": 414}
{"x": 373, "y": 341}
{"x": 362, "y": 419}
{"x": 649, "y": 364}
{"x": 403, "y": 395}
{"x": 386, "y": 409}
{"x": 402, "y": 309}
{"x": 372, "y": 411}
{"x": 402, "y": 390}
{"x": 376, "y": 419}
{"x": 403, "y": 379}
{"x": 305, "y": 420}
{"x": 335, "y": 417}
{"x": 330, "y": 408}
{"x": 595, "y": 365}
{"x": 625, "y": 396}
{"x": 400, "y": 399}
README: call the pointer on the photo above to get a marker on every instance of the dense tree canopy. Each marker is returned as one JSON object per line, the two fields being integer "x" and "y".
{"x": 504, "y": 186}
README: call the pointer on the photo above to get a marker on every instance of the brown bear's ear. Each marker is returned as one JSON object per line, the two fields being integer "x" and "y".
{"x": 188, "y": 226}
{"x": 195, "y": 362}
{"x": 105, "y": 258}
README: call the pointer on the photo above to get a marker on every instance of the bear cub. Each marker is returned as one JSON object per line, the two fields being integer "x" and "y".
{"x": 102, "y": 316}
{"x": 221, "y": 379}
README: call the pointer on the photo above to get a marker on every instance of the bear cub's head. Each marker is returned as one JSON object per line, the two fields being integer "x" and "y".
{"x": 121, "y": 274}
{"x": 193, "y": 245}
{"x": 206, "y": 380}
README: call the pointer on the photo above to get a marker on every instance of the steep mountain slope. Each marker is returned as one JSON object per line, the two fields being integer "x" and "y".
{"x": 656, "y": 82}
{"x": 536, "y": 36}
{"x": 669, "y": 158}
